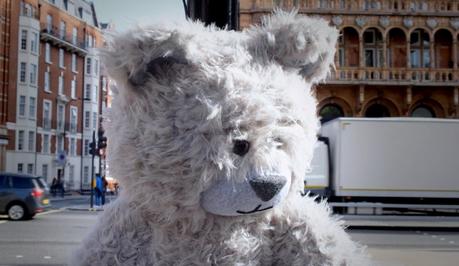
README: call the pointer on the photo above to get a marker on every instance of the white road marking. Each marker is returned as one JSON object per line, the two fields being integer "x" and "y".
{"x": 48, "y": 212}
{"x": 434, "y": 236}
{"x": 451, "y": 242}
{"x": 47, "y": 257}
{"x": 442, "y": 238}
{"x": 2, "y": 222}
{"x": 19, "y": 256}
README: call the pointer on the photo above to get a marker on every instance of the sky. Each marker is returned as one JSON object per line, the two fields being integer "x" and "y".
{"x": 128, "y": 13}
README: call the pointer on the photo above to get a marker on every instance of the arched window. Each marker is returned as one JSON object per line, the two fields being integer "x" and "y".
{"x": 420, "y": 49}
{"x": 330, "y": 112}
{"x": 423, "y": 111}
{"x": 377, "y": 110}
{"x": 373, "y": 43}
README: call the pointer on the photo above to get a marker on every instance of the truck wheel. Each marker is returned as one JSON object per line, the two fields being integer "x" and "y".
{"x": 16, "y": 212}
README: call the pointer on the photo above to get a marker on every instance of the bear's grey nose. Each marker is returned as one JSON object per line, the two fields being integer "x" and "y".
{"x": 267, "y": 189}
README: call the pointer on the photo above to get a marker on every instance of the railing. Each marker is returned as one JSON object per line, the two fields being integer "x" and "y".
{"x": 355, "y": 74}
{"x": 57, "y": 33}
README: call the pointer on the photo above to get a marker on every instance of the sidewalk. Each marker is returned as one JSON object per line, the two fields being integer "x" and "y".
{"x": 401, "y": 222}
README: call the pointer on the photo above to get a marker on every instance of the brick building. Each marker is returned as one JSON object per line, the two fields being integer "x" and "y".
{"x": 394, "y": 57}
{"x": 54, "y": 100}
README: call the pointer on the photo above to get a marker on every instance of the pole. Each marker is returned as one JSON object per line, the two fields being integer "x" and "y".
{"x": 92, "y": 170}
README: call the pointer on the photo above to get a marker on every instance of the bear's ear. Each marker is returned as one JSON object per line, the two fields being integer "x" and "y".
{"x": 295, "y": 42}
{"x": 134, "y": 57}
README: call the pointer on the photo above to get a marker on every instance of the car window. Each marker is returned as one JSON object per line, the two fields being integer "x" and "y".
{"x": 41, "y": 183}
{"x": 19, "y": 182}
{"x": 3, "y": 183}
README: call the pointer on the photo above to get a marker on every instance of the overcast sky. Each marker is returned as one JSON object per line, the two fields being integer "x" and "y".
{"x": 127, "y": 13}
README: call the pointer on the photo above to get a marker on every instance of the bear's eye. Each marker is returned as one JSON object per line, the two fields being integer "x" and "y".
{"x": 241, "y": 147}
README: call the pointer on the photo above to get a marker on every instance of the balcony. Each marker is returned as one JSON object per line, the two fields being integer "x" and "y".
{"x": 54, "y": 36}
{"x": 395, "y": 76}
{"x": 27, "y": 10}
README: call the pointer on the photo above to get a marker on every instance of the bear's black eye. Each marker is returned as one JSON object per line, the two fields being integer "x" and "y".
{"x": 241, "y": 147}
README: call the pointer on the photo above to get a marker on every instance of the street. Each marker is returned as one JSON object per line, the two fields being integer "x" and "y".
{"x": 50, "y": 238}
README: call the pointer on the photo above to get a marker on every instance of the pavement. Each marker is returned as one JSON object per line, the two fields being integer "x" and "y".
{"x": 76, "y": 202}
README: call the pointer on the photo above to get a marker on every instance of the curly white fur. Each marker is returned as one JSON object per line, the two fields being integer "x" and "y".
{"x": 185, "y": 93}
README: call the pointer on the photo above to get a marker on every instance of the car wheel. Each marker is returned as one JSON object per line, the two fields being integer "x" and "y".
{"x": 16, "y": 212}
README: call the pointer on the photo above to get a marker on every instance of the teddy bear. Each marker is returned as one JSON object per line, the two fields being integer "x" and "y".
{"x": 210, "y": 135}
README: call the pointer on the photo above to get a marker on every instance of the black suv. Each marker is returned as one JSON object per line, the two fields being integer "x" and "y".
{"x": 22, "y": 196}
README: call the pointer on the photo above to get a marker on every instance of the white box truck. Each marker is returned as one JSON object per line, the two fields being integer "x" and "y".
{"x": 399, "y": 162}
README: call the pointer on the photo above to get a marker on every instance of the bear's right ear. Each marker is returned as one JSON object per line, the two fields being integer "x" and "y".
{"x": 135, "y": 57}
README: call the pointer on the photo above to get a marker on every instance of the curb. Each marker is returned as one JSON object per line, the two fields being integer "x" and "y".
{"x": 83, "y": 209}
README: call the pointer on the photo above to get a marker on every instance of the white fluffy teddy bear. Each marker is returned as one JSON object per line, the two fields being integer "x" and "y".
{"x": 211, "y": 133}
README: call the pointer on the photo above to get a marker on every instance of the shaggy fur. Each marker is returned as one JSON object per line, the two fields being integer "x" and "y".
{"x": 185, "y": 94}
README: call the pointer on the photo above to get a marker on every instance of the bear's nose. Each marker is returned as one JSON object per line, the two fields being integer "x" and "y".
{"x": 267, "y": 189}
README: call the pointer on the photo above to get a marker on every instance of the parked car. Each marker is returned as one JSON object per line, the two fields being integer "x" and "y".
{"x": 22, "y": 196}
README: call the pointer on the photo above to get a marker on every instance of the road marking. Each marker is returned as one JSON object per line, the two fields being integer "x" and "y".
{"x": 48, "y": 212}
{"x": 2, "y": 222}
{"x": 19, "y": 256}
{"x": 442, "y": 238}
{"x": 451, "y": 242}
{"x": 47, "y": 257}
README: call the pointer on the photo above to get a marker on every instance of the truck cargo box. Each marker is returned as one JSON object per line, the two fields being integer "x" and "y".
{"x": 394, "y": 157}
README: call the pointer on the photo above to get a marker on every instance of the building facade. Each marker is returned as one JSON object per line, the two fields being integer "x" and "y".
{"x": 394, "y": 57}
{"x": 54, "y": 100}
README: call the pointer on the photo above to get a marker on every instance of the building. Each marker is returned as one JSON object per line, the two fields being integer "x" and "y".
{"x": 54, "y": 99}
{"x": 394, "y": 57}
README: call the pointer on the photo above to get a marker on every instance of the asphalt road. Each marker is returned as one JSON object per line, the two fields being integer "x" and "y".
{"x": 50, "y": 238}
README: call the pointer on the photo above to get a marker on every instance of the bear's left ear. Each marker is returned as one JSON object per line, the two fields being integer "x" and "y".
{"x": 295, "y": 42}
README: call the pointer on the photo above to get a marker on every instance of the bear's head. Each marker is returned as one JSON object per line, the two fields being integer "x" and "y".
{"x": 214, "y": 122}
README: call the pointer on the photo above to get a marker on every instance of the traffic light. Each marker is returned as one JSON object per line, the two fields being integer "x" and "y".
{"x": 92, "y": 148}
{"x": 102, "y": 140}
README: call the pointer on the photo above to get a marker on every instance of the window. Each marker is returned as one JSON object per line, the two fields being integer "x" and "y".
{"x": 86, "y": 175}
{"x": 46, "y": 114}
{"x": 61, "y": 58}
{"x": 34, "y": 42}
{"x": 49, "y": 23}
{"x": 330, "y": 112}
{"x": 72, "y": 146}
{"x": 20, "y": 140}
{"x": 96, "y": 93}
{"x": 60, "y": 117}
{"x": 423, "y": 111}
{"x": 96, "y": 67}
{"x": 87, "y": 115}
{"x": 369, "y": 37}
{"x": 341, "y": 57}
{"x": 22, "y": 105}
{"x": 86, "y": 147}
{"x": 47, "y": 53}
{"x": 33, "y": 74}
{"x": 74, "y": 63}
{"x": 32, "y": 107}
{"x": 47, "y": 82}
{"x": 62, "y": 29}
{"x": 71, "y": 174}
{"x": 31, "y": 141}
{"x": 88, "y": 66}
{"x": 89, "y": 41}
{"x": 94, "y": 120}
{"x": 44, "y": 172}
{"x": 73, "y": 119}
{"x": 66, "y": 5}
{"x": 73, "y": 88}
{"x": 74, "y": 35}
{"x": 419, "y": 49}
{"x": 60, "y": 143}
{"x": 87, "y": 92}
{"x": 20, "y": 167}
{"x": 23, "y": 39}
{"x": 22, "y": 72}
{"x": 45, "y": 148}
{"x": 30, "y": 168}
{"x": 61, "y": 85}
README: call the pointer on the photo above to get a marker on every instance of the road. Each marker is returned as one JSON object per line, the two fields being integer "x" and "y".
{"x": 51, "y": 237}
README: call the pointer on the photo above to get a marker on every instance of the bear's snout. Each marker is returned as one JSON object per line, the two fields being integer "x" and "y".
{"x": 266, "y": 189}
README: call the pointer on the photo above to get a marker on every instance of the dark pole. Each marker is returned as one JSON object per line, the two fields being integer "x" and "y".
{"x": 92, "y": 169}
